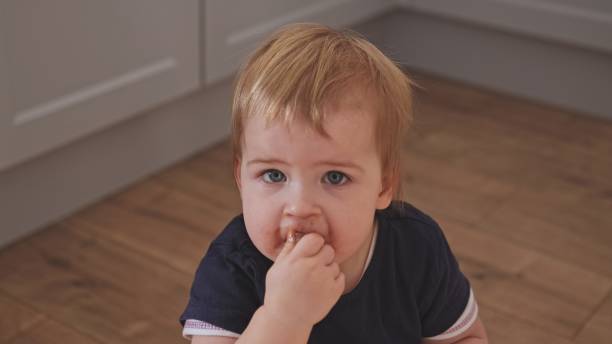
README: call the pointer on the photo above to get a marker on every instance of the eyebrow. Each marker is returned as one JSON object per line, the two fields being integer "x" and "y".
{"x": 345, "y": 164}
{"x": 266, "y": 161}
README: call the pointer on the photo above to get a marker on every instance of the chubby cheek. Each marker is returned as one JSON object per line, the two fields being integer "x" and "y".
{"x": 262, "y": 226}
{"x": 349, "y": 236}
{"x": 353, "y": 228}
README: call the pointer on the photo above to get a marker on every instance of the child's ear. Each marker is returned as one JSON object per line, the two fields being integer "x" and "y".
{"x": 385, "y": 196}
{"x": 237, "y": 176}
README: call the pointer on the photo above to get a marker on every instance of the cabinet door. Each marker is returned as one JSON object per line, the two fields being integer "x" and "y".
{"x": 72, "y": 67}
{"x": 234, "y": 28}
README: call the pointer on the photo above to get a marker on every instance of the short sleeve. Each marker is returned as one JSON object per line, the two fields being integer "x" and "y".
{"x": 446, "y": 291}
{"x": 222, "y": 293}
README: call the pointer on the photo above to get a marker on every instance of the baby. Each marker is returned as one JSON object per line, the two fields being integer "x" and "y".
{"x": 325, "y": 250}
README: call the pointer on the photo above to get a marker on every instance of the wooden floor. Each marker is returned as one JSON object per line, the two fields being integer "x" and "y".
{"x": 524, "y": 193}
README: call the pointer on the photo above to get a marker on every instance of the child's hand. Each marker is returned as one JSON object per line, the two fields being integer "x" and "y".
{"x": 304, "y": 282}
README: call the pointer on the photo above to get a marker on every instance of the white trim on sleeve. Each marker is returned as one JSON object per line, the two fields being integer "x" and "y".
{"x": 201, "y": 328}
{"x": 464, "y": 322}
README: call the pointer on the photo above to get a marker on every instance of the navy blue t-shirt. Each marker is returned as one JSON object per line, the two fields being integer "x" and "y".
{"x": 412, "y": 288}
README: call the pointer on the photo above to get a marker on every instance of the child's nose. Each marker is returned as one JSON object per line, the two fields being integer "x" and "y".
{"x": 301, "y": 204}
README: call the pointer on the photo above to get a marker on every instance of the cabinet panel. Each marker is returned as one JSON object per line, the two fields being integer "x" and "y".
{"x": 70, "y": 67}
{"x": 234, "y": 28}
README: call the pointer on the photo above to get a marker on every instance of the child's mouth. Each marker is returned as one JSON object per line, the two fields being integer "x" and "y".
{"x": 294, "y": 236}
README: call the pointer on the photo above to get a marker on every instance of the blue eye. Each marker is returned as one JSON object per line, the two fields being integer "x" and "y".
{"x": 273, "y": 176}
{"x": 336, "y": 178}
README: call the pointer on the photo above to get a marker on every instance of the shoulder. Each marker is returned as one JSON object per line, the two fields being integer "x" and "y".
{"x": 415, "y": 246}
{"x": 233, "y": 236}
{"x": 407, "y": 225}
{"x": 234, "y": 251}
{"x": 229, "y": 282}
{"x": 426, "y": 263}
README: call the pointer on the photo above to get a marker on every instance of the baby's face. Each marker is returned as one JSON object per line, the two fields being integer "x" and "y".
{"x": 293, "y": 177}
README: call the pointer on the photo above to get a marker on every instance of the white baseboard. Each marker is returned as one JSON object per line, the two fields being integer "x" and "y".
{"x": 545, "y": 71}
{"x": 585, "y": 24}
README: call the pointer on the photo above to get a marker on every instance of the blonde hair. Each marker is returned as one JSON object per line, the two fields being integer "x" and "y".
{"x": 302, "y": 68}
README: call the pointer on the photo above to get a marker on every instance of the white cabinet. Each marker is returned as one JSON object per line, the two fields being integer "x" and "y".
{"x": 233, "y": 28}
{"x": 71, "y": 67}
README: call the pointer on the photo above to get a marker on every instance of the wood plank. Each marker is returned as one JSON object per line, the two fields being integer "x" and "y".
{"x": 524, "y": 283}
{"x": 448, "y": 96}
{"x": 570, "y": 282}
{"x": 180, "y": 245}
{"x": 161, "y": 201}
{"x": 599, "y": 328}
{"x": 52, "y": 332}
{"x": 506, "y": 329}
{"x": 524, "y": 300}
{"x": 208, "y": 176}
{"x": 438, "y": 188}
{"x": 223, "y": 195}
{"x": 532, "y": 172}
{"x": 140, "y": 194}
{"x": 451, "y": 94}
{"x": 471, "y": 243}
{"x": 132, "y": 274}
{"x": 536, "y": 221}
{"x": 509, "y": 156}
{"x": 114, "y": 296}
{"x": 512, "y": 126}
{"x": 17, "y": 317}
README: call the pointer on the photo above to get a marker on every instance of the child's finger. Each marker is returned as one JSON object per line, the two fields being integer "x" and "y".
{"x": 327, "y": 254}
{"x": 309, "y": 245}
{"x": 335, "y": 270}
{"x": 289, "y": 244}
